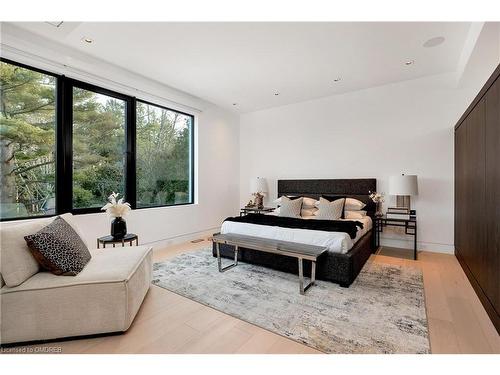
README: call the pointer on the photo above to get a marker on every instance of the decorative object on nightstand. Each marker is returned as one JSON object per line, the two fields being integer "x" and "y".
{"x": 117, "y": 209}
{"x": 250, "y": 204}
{"x": 403, "y": 187}
{"x": 378, "y": 199}
{"x": 258, "y": 187}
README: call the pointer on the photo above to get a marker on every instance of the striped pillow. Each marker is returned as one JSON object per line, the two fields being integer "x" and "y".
{"x": 290, "y": 207}
{"x": 330, "y": 210}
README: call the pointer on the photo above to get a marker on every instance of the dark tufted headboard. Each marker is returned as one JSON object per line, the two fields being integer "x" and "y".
{"x": 357, "y": 188}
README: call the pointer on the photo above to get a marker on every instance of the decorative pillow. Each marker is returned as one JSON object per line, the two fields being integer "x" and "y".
{"x": 16, "y": 262}
{"x": 352, "y": 204}
{"x": 330, "y": 210}
{"x": 309, "y": 202}
{"x": 332, "y": 198}
{"x": 59, "y": 249}
{"x": 290, "y": 207}
{"x": 354, "y": 214}
{"x": 308, "y": 211}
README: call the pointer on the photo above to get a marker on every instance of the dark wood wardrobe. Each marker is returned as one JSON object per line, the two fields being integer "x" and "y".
{"x": 477, "y": 195}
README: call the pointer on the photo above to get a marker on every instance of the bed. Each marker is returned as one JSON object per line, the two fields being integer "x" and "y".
{"x": 345, "y": 257}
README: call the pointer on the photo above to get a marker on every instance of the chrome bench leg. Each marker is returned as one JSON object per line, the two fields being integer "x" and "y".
{"x": 302, "y": 286}
{"x": 219, "y": 259}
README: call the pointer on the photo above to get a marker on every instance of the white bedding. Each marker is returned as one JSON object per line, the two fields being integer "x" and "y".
{"x": 337, "y": 242}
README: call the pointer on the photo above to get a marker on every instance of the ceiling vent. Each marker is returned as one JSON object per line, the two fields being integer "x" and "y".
{"x": 54, "y": 23}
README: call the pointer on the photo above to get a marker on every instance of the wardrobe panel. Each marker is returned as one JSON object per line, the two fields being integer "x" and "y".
{"x": 460, "y": 188}
{"x": 476, "y": 239}
{"x": 491, "y": 286}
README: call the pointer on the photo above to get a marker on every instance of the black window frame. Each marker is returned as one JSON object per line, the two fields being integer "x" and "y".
{"x": 191, "y": 156}
{"x": 64, "y": 145}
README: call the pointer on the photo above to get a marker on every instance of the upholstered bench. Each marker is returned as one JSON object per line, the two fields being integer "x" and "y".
{"x": 103, "y": 298}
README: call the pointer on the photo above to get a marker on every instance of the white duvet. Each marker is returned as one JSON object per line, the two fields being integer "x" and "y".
{"x": 337, "y": 242}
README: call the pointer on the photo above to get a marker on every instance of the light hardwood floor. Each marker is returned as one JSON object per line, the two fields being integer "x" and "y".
{"x": 169, "y": 323}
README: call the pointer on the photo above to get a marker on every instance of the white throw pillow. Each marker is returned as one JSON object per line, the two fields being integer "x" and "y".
{"x": 290, "y": 207}
{"x": 308, "y": 211}
{"x": 330, "y": 210}
{"x": 17, "y": 264}
{"x": 70, "y": 219}
{"x": 355, "y": 214}
{"x": 309, "y": 202}
{"x": 278, "y": 200}
{"x": 352, "y": 204}
{"x": 306, "y": 202}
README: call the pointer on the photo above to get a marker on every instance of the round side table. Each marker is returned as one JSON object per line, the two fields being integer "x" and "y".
{"x": 129, "y": 238}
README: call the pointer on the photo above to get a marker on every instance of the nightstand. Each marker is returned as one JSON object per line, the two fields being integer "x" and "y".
{"x": 128, "y": 238}
{"x": 255, "y": 210}
{"x": 410, "y": 226}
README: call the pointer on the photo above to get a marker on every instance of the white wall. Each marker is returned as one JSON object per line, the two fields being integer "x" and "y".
{"x": 405, "y": 127}
{"x": 217, "y": 137}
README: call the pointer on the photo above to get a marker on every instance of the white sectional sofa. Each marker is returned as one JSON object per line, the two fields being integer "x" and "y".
{"x": 37, "y": 305}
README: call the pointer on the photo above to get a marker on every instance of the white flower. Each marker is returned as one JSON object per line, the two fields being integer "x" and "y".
{"x": 116, "y": 208}
{"x": 377, "y": 197}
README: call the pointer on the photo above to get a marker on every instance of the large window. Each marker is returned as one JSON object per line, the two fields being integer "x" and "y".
{"x": 66, "y": 145}
{"x": 163, "y": 156}
{"x": 98, "y": 147}
{"x": 27, "y": 143}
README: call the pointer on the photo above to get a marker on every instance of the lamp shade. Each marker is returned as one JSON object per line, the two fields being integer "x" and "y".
{"x": 258, "y": 185}
{"x": 405, "y": 184}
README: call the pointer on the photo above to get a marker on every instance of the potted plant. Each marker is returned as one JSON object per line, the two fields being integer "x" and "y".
{"x": 117, "y": 209}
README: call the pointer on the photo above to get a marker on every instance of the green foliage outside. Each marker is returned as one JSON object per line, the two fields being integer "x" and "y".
{"x": 27, "y": 147}
{"x": 27, "y": 138}
{"x": 162, "y": 156}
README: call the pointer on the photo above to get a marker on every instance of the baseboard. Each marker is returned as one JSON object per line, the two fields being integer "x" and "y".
{"x": 421, "y": 246}
{"x": 488, "y": 306}
{"x": 176, "y": 240}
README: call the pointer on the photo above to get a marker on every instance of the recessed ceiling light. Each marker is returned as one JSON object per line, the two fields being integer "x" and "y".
{"x": 276, "y": 93}
{"x": 337, "y": 79}
{"x": 433, "y": 42}
{"x": 235, "y": 103}
{"x": 87, "y": 40}
{"x": 409, "y": 62}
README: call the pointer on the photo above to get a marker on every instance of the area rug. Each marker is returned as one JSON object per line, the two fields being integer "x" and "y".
{"x": 383, "y": 311}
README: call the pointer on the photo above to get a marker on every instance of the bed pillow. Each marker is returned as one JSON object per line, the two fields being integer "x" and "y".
{"x": 352, "y": 204}
{"x": 330, "y": 210}
{"x": 278, "y": 200}
{"x": 332, "y": 198}
{"x": 354, "y": 214}
{"x": 309, "y": 203}
{"x": 59, "y": 249}
{"x": 308, "y": 211}
{"x": 290, "y": 207}
{"x": 306, "y": 201}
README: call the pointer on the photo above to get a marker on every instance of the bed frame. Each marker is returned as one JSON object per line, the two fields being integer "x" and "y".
{"x": 339, "y": 268}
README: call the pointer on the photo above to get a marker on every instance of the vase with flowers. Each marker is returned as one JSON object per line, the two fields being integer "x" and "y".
{"x": 378, "y": 199}
{"x": 117, "y": 209}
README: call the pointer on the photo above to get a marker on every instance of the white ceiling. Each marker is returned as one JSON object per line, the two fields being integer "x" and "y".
{"x": 246, "y": 63}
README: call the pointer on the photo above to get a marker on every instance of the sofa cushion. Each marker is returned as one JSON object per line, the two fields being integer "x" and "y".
{"x": 71, "y": 220}
{"x": 104, "y": 297}
{"x": 16, "y": 262}
{"x": 59, "y": 249}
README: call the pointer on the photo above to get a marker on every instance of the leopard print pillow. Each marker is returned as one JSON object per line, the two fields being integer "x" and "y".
{"x": 59, "y": 249}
